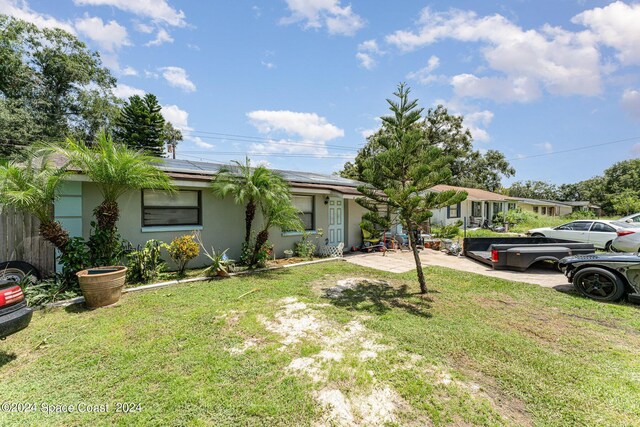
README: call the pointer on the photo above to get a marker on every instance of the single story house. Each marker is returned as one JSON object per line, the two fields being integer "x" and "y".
{"x": 480, "y": 205}
{"x": 544, "y": 207}
{"x": 585, "y": 206}
{"x": 326, "y": 202}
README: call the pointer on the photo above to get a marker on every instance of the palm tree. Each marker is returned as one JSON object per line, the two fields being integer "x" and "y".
{"x": 248, "y": 186}
{"x": 115, "y": 169}
{"x": 30, "y": 186}
{"x": 277, "y": 211}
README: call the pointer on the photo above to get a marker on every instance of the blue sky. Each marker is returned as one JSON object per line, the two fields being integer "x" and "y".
{"x": 301, "y": 82}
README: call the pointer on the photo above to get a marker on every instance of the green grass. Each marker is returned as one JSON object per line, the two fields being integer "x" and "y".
{"x": 510, "y": 353}
{"x": 533, "y": 221}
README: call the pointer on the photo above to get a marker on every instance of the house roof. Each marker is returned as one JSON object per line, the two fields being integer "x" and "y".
{"x": 187, "y": 169}
{"x": 537, "y": 202}
{"x": 474, "y": 194}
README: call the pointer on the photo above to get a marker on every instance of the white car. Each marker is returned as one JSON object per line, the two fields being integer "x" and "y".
{"x": 601, "y": 233}
{"x": 628, "y": 240}
{"x": 631, "y": 218}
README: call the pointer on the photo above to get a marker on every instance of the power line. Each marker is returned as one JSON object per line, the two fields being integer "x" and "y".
{"x": 569, "y": 150}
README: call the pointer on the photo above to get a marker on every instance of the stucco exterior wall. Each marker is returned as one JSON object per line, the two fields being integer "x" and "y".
{"x": 352, "y": 233}
{"x": 222, "y": 222}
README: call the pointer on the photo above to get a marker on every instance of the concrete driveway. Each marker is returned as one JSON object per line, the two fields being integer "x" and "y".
{"x": 400, "y": 262}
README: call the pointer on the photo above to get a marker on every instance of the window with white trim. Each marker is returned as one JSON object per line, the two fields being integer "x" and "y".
{"x": 305, "y": 206}
{"x": 162, "y": 208}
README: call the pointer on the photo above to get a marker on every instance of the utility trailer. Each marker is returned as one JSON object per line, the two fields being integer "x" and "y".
{"x": 520, "y": 253}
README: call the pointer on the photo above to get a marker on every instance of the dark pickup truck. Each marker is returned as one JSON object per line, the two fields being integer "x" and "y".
{"x": 520, "y": 253}
{"x": 14, "y": 313}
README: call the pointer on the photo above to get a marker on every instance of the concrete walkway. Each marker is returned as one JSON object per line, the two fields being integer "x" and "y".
{"x": 400, "y": 262}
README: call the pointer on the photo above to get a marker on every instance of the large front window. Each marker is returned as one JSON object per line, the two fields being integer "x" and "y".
{"x": 305, "y": 206}
{"x": 161, "y": 208}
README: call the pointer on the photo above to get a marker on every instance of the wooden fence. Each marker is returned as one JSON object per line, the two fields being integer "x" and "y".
{"x": 20, "y": 240}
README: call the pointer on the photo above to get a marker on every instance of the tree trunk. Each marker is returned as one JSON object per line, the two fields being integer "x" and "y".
{"x": 249, "y": 214}
{"x": 416, "y": 257}
{"x": 261, "y": 239}
{"x": 107, "y": 215}
{"x": 53, "y": 232}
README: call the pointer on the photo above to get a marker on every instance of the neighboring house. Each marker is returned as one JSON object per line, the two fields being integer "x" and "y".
{"x": 479, "y": 205}
{"x": 544, "y": 207}
{"x": 556, "y": 208}
{"x": 585, "y": 206}
{"x": 327, "y": 202}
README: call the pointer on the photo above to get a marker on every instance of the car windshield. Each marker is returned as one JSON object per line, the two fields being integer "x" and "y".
{"x": 622, "y": 224}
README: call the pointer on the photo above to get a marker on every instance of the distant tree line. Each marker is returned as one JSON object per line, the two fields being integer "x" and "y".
{"x": 617, "y": 190}
{"x": 53, "y": 87}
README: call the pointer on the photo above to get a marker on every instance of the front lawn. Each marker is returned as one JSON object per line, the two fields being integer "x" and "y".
{"x": 271, "y": 349}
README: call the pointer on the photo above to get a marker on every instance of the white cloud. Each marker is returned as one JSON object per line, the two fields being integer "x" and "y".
{"x": 200, "y": 143}
{"x": 520, "y": 89}
{"x": 312, "y": 130}
{"x": 366, "y": 60}
{"x": 20, "y": 9}
{"x": 124, "y": 91}
{"x": 616, "y": 25}
{"x": 177, "y": 77}
{"x": 268, "y": 65}
{"x": 156, "y": 10}
{"x": 162, "y": 36}
{"x": 110, "y": 36}
{"x": 129, "y": 71}
{"x": 547, "y": 147}
{"x": 424, "y": 75}
{"x": 142, "y": 27}
{"x": 178, "y": 117}
{"x": 324, "y": 13}
{"x": 367, "y": 53}
{"x": 560, "y": 61}
{"x": 477, "y": 122}
{"x": 631, "y": 102}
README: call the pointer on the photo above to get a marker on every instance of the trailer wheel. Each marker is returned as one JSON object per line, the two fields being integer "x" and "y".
{"x": 599, "y": 284}
{"x": 17, "y": 271}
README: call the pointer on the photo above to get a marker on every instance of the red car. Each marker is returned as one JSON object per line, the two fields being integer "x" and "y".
{"x": 14, "y": 313}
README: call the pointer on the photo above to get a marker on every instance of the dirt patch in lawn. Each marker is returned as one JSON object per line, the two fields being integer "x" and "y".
{"x": 342, "y": 405}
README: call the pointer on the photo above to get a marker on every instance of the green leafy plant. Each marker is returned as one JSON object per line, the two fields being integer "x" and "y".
{"x": 146, "y": 264}
{"x": 448, "y": 231}
{"x": 182, "y": 250}
{"x": 48, "y": 291}
{"x": 307, "y": 247}
{"x": 582, "y": 214}
{"x": 513, "y": 217}
{"x": 220, "y": 263}
{"x": 261, "y": 257}
{"x": 105, "y": 246}
{"x": 76, "y": 257}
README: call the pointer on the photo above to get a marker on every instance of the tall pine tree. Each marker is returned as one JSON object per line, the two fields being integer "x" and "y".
{"x": 140, "y": 125}
{"x": 401, "y": 171}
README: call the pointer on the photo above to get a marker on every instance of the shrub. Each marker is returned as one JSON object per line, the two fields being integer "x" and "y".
{"x": 447, "y": 231}
{"x": 263, "y": 255}
{"x": 145, "y": 263}
{"x": 305, "y": 248}
{"x": 220, "y": 263}
{"x": 514, "y": 216}
{"x": 75, "y": 258}
{"x": 588, "y": 214}
{"x": 48, "y": 291}
{"x": 182, "y": 250}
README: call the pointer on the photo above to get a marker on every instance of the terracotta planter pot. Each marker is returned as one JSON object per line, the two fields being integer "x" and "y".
{"x": 102, "y": 286}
